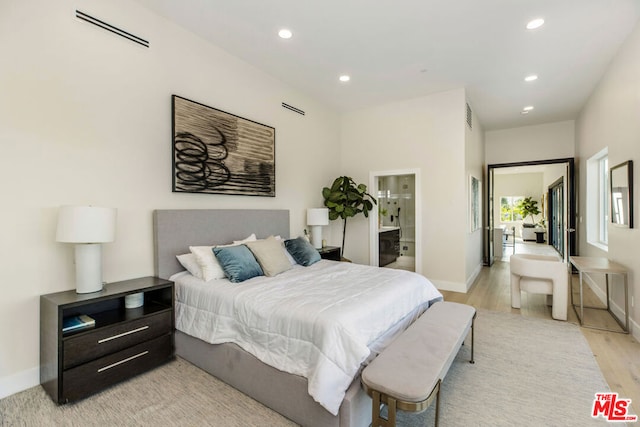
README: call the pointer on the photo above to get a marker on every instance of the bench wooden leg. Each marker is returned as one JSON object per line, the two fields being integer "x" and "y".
{"x": 376, "y": 418}
{"x": 437, "y": 417}
{"x": 391, "y": 412}
{"x": 473, "y": 322}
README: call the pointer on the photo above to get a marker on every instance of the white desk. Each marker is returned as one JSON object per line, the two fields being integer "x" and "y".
{"x": 586, "y": 265}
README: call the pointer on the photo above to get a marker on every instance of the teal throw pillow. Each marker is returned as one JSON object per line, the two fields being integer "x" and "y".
{"x": 238, "y": 263}
{"x": 302, "y": 251}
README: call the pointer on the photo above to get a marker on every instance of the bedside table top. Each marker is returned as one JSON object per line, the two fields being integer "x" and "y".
{"x": 140, "y": 284}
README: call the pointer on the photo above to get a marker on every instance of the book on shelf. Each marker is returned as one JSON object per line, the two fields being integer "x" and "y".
{"x": 77, "y": 323}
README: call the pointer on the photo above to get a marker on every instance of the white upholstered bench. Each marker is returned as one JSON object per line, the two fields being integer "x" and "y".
{"x": 408, "y": 373}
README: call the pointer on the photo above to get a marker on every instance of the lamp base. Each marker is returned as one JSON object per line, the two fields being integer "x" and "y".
{"x": 316, "y": 236}
{"x": 88, "y": 268}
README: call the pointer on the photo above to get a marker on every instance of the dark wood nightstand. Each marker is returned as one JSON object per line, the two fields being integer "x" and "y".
{"x": 124, "y": 342}
{"x": 330, "y": 252}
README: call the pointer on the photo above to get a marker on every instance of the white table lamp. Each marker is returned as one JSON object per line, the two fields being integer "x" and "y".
{"x": 316, "y": 218}
{"x": 88, "y": 227}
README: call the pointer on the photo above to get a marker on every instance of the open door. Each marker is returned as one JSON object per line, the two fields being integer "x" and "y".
{"x": 489, "y": 250}
{"x": 556, "y": 216}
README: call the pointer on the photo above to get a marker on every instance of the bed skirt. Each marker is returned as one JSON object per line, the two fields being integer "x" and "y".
{"x": 283, "y": 392}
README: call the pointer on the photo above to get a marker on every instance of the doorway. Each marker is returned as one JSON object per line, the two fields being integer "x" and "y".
{"x": 394, "y": 240}
{"x": 565, "y": 232}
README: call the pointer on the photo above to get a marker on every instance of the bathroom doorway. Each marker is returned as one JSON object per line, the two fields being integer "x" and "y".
{"x": 394, "y": 241}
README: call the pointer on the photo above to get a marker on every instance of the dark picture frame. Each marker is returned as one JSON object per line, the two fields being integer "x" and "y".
{"x": 215, "y": 152}
{"x": 621, "y": 193}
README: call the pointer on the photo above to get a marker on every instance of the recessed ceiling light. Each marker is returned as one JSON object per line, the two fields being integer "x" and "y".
{"x": 344, "y": 78}
{"x": 531, "y": 78}
{"x": 524, "y": 112}
{"x": 285, "y": 34}
{"x": 528, "y": 108}
{"x": 535, "y": 23}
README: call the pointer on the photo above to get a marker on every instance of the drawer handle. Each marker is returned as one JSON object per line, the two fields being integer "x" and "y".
{"x": 122, "y": 361}
{"x": 133, "y": 331}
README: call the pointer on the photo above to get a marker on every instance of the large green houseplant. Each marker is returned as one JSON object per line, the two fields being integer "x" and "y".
{"x": 528, "y": 207}
{"x": 346, "y": 199}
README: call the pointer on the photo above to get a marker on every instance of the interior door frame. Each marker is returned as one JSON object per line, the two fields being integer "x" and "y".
{"x": 373, "y": 219}
{"x": 571, "y": 235}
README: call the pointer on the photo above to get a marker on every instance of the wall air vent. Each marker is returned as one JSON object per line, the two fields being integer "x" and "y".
{"x": 469, "y": 117}
{"x": 292, "y": 108}
{"x": 115, "y": 30}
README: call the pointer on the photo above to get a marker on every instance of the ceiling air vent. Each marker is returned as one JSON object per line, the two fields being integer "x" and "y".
{"x": 115, "y": 30}
{"x": 469, "y": 117}
{"x": 292, "y": 108}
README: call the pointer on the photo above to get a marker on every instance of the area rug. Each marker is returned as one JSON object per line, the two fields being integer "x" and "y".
{"x": 528, "y": 372}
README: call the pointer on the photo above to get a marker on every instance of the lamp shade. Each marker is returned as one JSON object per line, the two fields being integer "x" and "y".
{"x": 318, "y": 216}
{"x": 86, "y": 224}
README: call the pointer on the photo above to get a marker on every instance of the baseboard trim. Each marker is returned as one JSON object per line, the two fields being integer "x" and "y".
{"x": 471, "y": 280}
{"x": 450, "y": 286}
{"x": 19, "y": 382}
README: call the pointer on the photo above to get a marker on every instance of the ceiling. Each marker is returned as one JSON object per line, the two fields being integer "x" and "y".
{"x": 400, "y": 49}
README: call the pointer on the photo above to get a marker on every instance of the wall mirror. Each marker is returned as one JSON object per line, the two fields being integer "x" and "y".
{"x": 621, "y": 181}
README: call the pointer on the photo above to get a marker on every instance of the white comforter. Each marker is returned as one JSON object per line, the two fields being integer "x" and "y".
{"x": 314, "y": 321}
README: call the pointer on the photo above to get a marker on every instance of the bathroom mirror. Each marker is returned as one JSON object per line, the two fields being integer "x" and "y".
{"x": 621, "y": 181}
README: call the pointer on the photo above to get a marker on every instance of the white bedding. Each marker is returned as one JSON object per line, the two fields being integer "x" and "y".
{"x": 317, "y": 321}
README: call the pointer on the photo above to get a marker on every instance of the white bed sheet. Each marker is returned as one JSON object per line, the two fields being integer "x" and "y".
{"x": 317, "y": 321}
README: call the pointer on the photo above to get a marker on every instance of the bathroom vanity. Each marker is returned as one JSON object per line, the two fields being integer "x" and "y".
{"x": 388, "y": 245}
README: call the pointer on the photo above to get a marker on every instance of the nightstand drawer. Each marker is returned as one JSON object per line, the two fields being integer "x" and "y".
{"x": 99, "y": 374}
{"x": 107, "y": 340}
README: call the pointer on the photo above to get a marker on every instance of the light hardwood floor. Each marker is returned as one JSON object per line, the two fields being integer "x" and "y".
{"x": 618, "y": 355}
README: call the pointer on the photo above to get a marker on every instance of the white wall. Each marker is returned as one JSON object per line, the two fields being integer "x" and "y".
{"x": 85, "y": 118}
{"x": 426, "y": 133}
{"x": 474, "y": 166}
{"x": 552, "y": 173}
{"x": 528, "y": 143}
{"x": 610, "y": 119}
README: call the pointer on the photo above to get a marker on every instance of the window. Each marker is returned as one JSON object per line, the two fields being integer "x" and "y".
{"x": 603, "y": 207}
{"x": 508, "y": 210}
{"x": 598, "y": 199}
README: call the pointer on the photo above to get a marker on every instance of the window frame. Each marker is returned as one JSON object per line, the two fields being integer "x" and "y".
{"x": 597, "y": 200}
{"x": 512, "y": 202}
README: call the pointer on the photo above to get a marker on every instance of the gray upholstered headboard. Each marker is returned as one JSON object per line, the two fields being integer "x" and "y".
{"x": 175, "y": 230}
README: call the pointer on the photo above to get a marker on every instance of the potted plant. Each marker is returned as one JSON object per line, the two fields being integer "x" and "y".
{"x": 346, "y": 199}
{"x": 382, "y": 212}
{"x": 528, "y": 207}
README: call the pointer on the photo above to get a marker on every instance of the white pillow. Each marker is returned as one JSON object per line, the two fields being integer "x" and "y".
{"x": 211, "y": 268}
{"x": 208, "y": 263}
{"x": 251, "y": 238}
{"x": 190, "y": 263}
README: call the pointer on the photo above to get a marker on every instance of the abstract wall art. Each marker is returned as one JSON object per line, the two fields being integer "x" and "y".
{"x": 475, "y": 203}
{"x": 216, "y": 152}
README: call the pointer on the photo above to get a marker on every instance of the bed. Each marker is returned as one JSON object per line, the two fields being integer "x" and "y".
{"x": 286, "y": 392}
